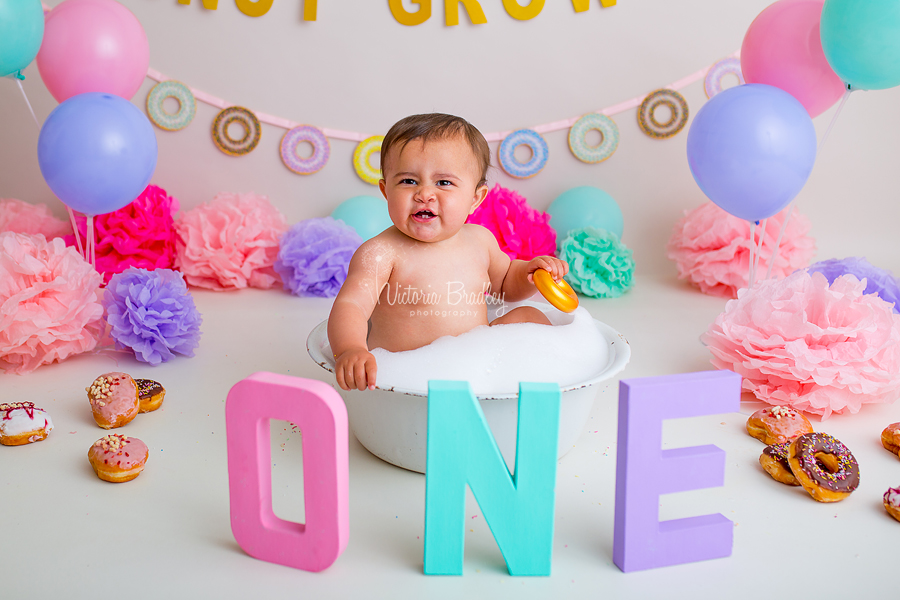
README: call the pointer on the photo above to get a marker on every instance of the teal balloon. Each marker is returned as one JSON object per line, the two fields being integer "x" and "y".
{"x": 21, "y": 33}
{"x": 861, "y": 41}
{"x": 368, "y": 215}
{"x": 584, "y": 206}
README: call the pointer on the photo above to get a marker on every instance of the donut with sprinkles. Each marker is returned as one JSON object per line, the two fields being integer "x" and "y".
{"x": 539, "y": 153}
{"x": 362, "y": 159}
{"x": 678, "y": 110}
{"x": 609, "y": 138}
{"x": 292, "y": 140}
{"x": 712, "y": 84}
{"x": 223, "y": 139}
{"x": 823, "y": 466}
{"x": 187, "y": 105}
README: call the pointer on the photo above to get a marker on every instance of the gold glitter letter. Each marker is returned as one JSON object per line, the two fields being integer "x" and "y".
{"x": 407, "y": 18}
{"x": 523, "y": 13}
{"x": 254, "y": 9}
{"x": 451, "y": 12}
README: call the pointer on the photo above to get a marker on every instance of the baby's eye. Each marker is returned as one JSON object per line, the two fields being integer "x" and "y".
{"x": 407, "y": 181}
{"x": 444, "y": 183}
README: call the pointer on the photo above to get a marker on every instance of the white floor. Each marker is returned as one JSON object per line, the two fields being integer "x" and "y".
{"x": 64, "y": 533}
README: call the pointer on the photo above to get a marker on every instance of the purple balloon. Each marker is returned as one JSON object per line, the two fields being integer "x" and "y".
{"x": 751, "y": 149}
{"x": 97, "y": 152}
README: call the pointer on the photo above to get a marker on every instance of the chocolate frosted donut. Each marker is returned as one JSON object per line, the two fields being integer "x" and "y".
{"x": 774, "y": 459}
{"x": 824, "y": 467}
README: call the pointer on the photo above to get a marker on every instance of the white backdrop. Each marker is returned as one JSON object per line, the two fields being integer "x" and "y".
{"x": 356, "y": 68}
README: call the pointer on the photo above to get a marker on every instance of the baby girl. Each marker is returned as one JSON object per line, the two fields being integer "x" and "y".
{"x": 430, "y": 274}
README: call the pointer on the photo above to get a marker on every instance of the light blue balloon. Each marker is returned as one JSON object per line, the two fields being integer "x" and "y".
{"x": 751, "y": 149}
{"x": 21, "y": 33}
{"x": 97, "y": 152}
{"x": 861, "y": 41}
{"x": 368, "y": 215}
{"x": 585, "y": 206}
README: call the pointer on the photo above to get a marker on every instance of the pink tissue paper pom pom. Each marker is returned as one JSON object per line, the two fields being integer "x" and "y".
{"x": 711, "y": 248}
{"x": 521, "y": 231}
{"x": 799, "y": 342}
{"x": 230, "y": 243}
{"x": 22, "y": 217}
{"x": 49, "y": 303}
{"x": 140, "y": 235}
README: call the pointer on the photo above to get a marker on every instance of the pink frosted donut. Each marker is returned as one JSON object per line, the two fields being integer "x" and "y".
{"x": 114, "y": 399}
{"x": 777, "y": 424}
{"x": 117, "y": 458}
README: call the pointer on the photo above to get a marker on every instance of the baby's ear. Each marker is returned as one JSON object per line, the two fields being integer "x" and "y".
{"x": 480, "y": 194}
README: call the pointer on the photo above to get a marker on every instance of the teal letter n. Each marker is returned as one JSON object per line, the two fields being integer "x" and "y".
{"x": 518, "y": 508}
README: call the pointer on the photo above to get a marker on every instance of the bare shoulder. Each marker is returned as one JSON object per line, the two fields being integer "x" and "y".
{"x": 378, "y": 251}
{"x": 481, "y": 235}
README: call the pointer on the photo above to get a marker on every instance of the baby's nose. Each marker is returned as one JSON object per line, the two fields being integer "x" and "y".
{"x": 425, "y": 193}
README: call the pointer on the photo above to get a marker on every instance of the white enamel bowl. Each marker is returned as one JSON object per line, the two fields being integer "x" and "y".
{"x": 391, "y": 423}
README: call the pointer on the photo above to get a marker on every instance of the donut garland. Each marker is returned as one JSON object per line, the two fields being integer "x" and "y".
{"x": 678, "y": 118}
{"x": 609, "y": 141}
{"x": 712, "y": 83}
{"x": 362, "y": 159}
{"x": 296, "y": 136}
{"x": 187, "y": 105}
{"x": 223, "y": 139}
{"x": 507, "y": 153}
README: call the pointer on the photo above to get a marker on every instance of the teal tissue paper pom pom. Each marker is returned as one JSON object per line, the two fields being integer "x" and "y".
{"x": 600, "y": 265}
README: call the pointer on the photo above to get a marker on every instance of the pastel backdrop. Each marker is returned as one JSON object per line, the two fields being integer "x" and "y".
{"x": 356, "y": 68}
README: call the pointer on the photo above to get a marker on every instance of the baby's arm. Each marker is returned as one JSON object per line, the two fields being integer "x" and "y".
{"x": 348, "y": 323}
{"x": 513, "y": 279}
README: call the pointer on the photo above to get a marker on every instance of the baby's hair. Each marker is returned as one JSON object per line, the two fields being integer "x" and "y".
{"x": 437, "y": 126}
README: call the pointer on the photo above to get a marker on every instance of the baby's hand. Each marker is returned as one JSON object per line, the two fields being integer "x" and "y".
{"x": 356, "y": 368}
{"x": 557, "y": 268}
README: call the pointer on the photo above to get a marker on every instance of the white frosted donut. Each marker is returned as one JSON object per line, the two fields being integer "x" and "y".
{"x": 362, "y": 159}
{"x": 539, "y": 153}
{"x": 609, "y": 141}
{"x": 23, "y": 423}
{"x": 712, "y": 84}
{"x": 296, "y": 136}
{"x": 187, "y": 105}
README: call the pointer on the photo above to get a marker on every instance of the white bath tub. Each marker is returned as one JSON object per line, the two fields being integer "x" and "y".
{"x": 391, "y": 423}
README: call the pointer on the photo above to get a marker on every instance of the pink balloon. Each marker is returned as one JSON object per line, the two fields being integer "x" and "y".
{"x": 782, "y": 48}
{"x": 93, "y": 46}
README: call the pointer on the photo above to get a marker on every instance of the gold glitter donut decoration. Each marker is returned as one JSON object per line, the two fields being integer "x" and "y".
{"x": 558, "y": 293}
{"x": 677, "y": 106}
{"x": 230, "y": 145}
{"x": 362, "y": 159}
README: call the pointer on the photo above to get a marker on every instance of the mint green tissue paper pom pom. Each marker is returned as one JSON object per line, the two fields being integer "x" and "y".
{"x": 600, "y": 265}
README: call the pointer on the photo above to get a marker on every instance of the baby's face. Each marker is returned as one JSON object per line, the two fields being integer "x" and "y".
{"x": 432, "y": 187}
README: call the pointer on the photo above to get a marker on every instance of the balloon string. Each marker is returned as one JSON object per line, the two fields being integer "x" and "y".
{"x": 33, "y": 116}
{"x": 787, "y": 217}
{"x": 762, "y": 237}
{"x": 90, "y": 242}
{"x": 77, "y": 235}
{"x": 750, "y": 275}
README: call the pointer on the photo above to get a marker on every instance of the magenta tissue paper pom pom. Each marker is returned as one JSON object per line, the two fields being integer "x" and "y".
{"x": 521, "y": 231}
{"x": 141, "y": 234}
{"x": 152, "y": 313}
{"x": 315, "y": 255}
{"x": 49, "y": 309}
{"x": 711, "y": 248}
{"x": 230, "y": 243}
{"x": 817, "y": 348}
{"x": 22, "y": 217}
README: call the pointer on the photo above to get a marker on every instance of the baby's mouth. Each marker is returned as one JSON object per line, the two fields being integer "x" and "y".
{"x": 424, "y": 215}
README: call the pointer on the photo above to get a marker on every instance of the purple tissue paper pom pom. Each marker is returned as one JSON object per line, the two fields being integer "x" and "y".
{"x": 314, "y": 256}
{"x": 878, "y": 281}
{"x": 152, "y": 313}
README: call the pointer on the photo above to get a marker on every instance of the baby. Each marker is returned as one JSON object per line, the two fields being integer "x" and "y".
{"x": 431, "y": 274}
